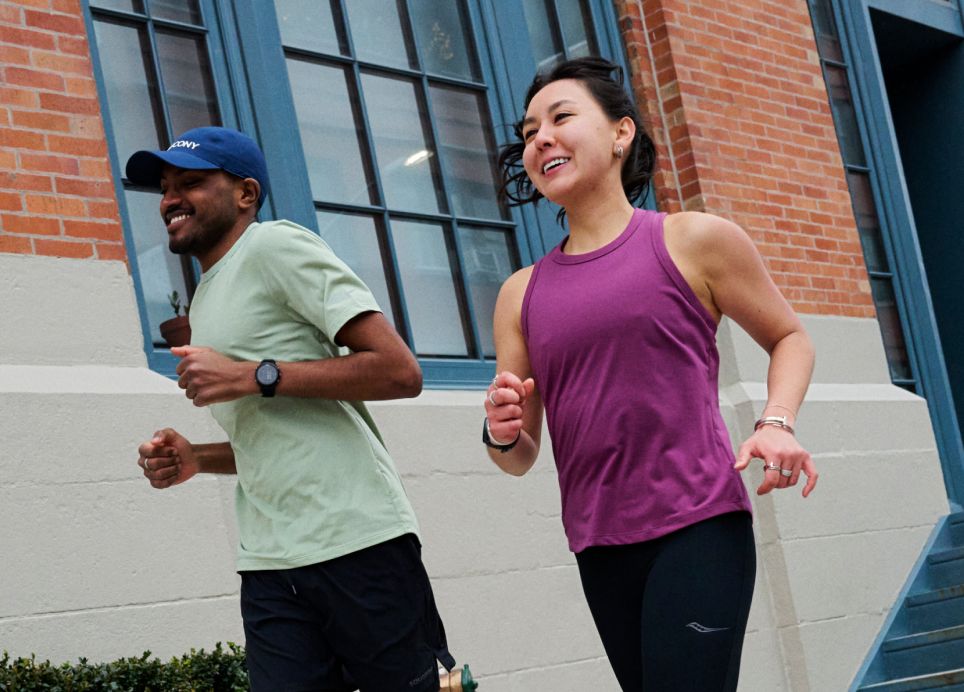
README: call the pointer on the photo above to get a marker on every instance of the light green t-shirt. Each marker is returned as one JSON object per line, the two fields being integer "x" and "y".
{"x": 314, "y": 478}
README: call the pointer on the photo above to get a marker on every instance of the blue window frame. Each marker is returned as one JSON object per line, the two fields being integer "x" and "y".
{"x": 382, "y": 117}
{"x": 160, "y": 73}
{"x": 878, "y": 252}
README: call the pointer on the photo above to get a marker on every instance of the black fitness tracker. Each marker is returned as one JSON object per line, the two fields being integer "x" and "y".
{"x": 267, "y": 375}
{"x": 489, "y": 442}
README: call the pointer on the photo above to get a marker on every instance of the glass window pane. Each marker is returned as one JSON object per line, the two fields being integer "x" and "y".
{"x": 135, "y": 112}
{"x": 354, "y": 239}
{"x": 545, "y": 42}
{"x": 576, "y": 23}
{"x": 443, "y": 37}
{"x": 309, "y": 24}
{"x": 191, "y": 99}
{"x": 406, "y": 160}
{"x": 425, "y": 261}
{"x": 378, "y": 33}
{"x": 330, "y": 133}
{"x": 488, "y": 261}
{"x": 465, "y": 139}
{"x": 844, "y": 116}
{"x": 865, "y": 212}
{"x": 890, "y": 329}
{"x": 160, "y": 270}
{"x": 186, "y": 11}
{"x": 122, "y": 5}
{"x": 825, "y": 30}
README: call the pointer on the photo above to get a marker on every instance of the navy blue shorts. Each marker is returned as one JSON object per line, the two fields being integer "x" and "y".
{"x": 365, "y": 621}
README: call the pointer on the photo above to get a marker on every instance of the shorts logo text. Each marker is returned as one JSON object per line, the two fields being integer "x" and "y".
{"x": 703, "y": 629}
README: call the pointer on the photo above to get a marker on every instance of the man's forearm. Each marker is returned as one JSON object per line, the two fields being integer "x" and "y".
{"x": 364, "y": 376}
{"x": 217, "y": 457}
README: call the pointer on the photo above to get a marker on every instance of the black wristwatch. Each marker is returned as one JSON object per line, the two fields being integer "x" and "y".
{"x": 489, "y": 442}
{"x": 267, "y": 375}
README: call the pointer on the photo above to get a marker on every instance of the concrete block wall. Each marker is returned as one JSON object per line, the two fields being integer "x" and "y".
{"x": 831, "y": 566}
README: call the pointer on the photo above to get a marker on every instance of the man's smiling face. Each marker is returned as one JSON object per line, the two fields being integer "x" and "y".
{"x": 198, "y": 207}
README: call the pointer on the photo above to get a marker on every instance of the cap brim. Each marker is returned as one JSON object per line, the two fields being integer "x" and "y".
{"x": 144, "y": 167}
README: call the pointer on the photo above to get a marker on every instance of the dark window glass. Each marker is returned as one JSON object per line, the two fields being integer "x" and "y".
{"x": 542, "y": 35}
{"x": 866, "y": 214}
{"x": 576, "y": 23}
{"x": 186, "y": 11}
{"x": 191, "y": 101}
{"x": 426, "y": 259}
{"x": 844, "y": 116}
{"x": 407, "y": 161}
{"x": 354, "y": 238}
{"x": 443, "y": 38}
{"x": 122, "y": 5}
{"x": 330, "y": 133}
{"x": 161, "y": 272}
{"x": 489, "y": 259}
{"x": 465, "y": 138}
{"x": 132, "y": 97}
{"x": 890, "y": 328}
{"x": 310, "y": 25}
{"x": 825, "y": 30}
{"x": 378, "y": 32}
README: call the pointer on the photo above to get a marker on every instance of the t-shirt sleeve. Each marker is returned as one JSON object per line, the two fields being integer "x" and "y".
{"x": 303, "y": 273}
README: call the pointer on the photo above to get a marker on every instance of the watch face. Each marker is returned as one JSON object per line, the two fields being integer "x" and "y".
{"x": 266, "y": 374}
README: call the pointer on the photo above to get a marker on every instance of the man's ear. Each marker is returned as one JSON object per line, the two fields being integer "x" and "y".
{"x": 250, "y": 191}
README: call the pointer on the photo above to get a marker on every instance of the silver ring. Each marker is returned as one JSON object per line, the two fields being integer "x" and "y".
{"x": 786, "y": 473}
{"x": 491, "y": 400}
{"x": 767, "y": 466}
{"x": 146, "y": 465}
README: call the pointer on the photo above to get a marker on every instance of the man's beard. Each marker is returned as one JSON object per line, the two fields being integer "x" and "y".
{"x": 202, "y": 238}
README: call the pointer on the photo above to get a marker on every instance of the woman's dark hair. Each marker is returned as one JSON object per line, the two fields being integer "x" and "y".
{"x": 604, "y": 80}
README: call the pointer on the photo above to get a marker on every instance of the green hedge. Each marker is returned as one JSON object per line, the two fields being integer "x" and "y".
{"x": 221, "y": 670}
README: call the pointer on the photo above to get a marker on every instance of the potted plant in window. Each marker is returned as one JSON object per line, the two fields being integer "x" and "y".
{"x": 177, "y": 330}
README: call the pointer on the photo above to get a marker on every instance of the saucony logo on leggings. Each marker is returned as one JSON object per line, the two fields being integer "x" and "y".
{"x": 702, "y": 629}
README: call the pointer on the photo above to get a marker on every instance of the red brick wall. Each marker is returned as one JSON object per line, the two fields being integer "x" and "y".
{"x": 738, "y": 108}
{"x": 56, "y": 193}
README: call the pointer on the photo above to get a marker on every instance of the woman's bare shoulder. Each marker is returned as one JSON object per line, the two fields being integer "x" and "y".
{"x": 518, "y": 281}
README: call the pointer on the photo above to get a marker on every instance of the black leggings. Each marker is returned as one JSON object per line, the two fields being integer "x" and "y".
{"x": 672, "y": 611}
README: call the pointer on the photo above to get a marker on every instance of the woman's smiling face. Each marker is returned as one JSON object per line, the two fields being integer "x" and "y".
{"x": 568, "y": 142}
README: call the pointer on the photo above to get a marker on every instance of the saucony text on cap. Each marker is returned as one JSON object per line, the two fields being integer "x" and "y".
{"x": 203, "y": 148}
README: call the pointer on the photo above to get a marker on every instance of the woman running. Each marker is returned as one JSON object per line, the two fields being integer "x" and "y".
{"x": 613, "y": 335}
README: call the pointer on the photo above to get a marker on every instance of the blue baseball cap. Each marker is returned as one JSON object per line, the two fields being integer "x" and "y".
{"x": 203, "y": 148}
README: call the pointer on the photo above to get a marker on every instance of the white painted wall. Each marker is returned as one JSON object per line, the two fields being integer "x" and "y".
{"x": 95, "y": 563}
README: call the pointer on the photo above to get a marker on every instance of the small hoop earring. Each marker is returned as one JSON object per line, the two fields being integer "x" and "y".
{"x": 618, "y": 151}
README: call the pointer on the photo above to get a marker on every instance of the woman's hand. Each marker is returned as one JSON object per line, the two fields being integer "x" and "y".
{"x": 783, "y": 457}
{"x": 504, "y": 404}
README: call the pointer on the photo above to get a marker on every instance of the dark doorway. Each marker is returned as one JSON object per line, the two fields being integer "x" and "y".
{"x": 923, "y": 70}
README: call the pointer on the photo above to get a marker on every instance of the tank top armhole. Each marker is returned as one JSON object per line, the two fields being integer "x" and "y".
{"x": 530, "y": 286}
{"x": 657, "y": 235}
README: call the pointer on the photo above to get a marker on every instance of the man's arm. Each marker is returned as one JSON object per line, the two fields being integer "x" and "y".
{"x": 380, "y": 367}
{"x": 168, "y": 458}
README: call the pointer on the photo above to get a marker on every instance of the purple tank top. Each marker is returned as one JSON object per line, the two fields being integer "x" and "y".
{"x": 624, "y": 356}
